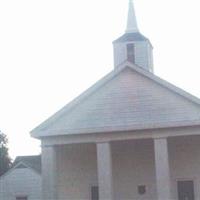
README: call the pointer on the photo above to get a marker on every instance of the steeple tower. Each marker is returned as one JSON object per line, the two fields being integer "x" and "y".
{"x": 132, "y": 26}
{"x": 132, "y": 46}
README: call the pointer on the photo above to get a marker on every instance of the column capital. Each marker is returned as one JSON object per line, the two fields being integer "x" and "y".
{"x": 47, "y": 145}
{"x": 160, "y": 137}
{"x": 103, "y": 142}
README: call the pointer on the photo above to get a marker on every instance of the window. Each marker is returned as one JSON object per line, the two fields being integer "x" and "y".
{"x": 141, "y": 189}
{"x": 94, "y": 193}
{"x": 186, "y": 190}
{"x": 22, "y": 198}
{"x": 130, "y": 52}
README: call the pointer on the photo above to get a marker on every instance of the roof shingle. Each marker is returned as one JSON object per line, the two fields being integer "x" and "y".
{"x": 31, "y": 161}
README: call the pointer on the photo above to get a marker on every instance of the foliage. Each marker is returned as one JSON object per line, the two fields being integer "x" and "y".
{"x": 5, "y": 160}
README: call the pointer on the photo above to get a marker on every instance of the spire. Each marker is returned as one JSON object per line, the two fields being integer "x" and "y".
{"x": 131, "y": 21}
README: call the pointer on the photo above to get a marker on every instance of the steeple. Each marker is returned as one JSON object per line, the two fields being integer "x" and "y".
{"x": 132, "y": 26}
{"x": 132, "y": 46}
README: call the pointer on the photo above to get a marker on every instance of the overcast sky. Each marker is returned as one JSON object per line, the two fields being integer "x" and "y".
{"x": 51, "y": 51}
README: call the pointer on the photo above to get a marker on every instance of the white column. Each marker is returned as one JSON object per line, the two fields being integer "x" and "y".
{"x": 162, "y": 169}
{"x": 49, "y": 173}
{"x": 104, "y": 162}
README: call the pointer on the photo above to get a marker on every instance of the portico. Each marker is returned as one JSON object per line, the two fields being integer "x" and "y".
{"x": 120, "y": 167}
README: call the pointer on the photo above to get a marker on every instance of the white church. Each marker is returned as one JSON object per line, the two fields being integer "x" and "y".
{"x": 131, "y": 136}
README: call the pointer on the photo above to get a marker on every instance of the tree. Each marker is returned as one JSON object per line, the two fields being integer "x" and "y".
{"x": 5, "y": 160}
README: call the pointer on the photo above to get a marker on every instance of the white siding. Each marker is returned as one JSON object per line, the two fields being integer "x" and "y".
{"x": 184, "y": 155}
{"x": 77, "y": 171}
{"x": 119, "y": 53}
{"x": 133, "y": 165}
{"x": 143, "y": 54}
{"x": 22, "y": 181}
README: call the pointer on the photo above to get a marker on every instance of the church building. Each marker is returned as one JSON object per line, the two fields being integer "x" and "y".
{"x": 132, "y": 135}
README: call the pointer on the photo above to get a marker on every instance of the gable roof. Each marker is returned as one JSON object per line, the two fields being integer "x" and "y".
{"x": 128, "y": 37}
{"x": 33, "y": 162}
{"x": 74, "y": 118}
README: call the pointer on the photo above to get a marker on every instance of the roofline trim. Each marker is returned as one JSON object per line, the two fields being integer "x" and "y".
{"x": 79, "y": 98}
{"x": 116, "y": 129}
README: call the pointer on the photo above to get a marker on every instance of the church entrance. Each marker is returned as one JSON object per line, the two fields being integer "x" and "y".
{"x": 185, "y": 190}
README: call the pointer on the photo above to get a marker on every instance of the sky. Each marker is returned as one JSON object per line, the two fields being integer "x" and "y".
{"x": 52, "y": 50}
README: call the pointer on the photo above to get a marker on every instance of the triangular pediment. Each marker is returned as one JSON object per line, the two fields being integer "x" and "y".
{"x": 126, "y": 99}
{"x": 21, "y": 166}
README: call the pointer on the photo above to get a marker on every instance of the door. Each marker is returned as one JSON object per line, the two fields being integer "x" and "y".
{"x": 94, "y": 193}
{"x": 185, "y": 190}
